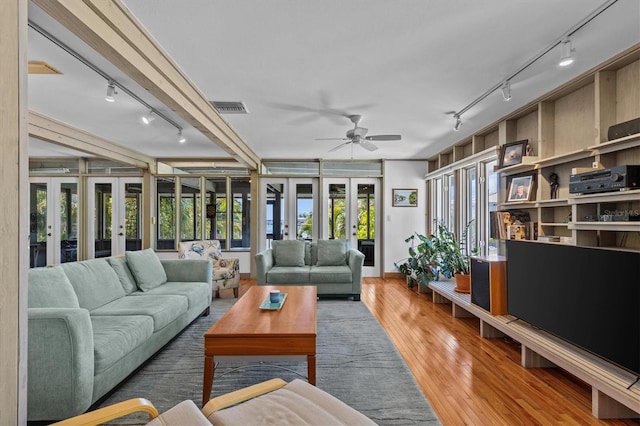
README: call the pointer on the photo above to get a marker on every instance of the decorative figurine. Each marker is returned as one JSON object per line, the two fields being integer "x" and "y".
{"x": 528, "y": 150}
{"x": 553, "y": 184}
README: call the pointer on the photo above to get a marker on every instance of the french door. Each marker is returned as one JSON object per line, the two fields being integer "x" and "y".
{"x": 289, "y": 210}
{"x": 349, "y": 211}
{"x": 53, "y": 215}
{"x": 115, "y": 222}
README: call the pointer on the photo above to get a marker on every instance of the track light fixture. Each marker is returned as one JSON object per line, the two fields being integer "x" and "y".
{"x": 458, "y": 124}
{"x": 111, "y": 92}
{"x": 181, "y": 138}
{"x": 566, "y": 59}
{"x": 147, "y": 119}
{"x": 506, "y": 90}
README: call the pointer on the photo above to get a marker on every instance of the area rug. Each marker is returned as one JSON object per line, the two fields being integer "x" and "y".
{"x": 356, "y": 362}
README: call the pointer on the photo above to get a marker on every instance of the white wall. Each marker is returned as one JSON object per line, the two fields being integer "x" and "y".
{"x": 401, "y": 222}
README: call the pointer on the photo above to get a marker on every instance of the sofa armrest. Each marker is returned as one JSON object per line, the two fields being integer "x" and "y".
{"x": 60, "y": 363}
{"x": 355, "y": 261}
{"x": 190, "y": 270}
{"x": 264, "y": 263}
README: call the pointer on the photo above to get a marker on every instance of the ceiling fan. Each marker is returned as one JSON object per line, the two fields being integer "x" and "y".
{"x": 358, "y": 136}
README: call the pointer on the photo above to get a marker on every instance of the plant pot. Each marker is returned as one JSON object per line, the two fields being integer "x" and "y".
{"x": 463, "y": 283}
{"x": 411, "y": 282}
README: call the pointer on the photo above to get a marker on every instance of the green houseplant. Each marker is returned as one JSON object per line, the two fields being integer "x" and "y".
{"x": 422, "y": 264}
{"x": 454, "y": 256}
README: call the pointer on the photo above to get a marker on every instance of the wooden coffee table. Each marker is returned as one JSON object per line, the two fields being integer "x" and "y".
{"x": 247, "y": 330}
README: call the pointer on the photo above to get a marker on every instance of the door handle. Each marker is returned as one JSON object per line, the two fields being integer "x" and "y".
{"x": 121, "y": 234}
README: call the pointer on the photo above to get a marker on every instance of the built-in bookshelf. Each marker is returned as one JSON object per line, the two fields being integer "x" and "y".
{"x": 568, "y": 133}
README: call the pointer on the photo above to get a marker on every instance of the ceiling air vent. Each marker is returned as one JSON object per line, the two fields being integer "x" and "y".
{"x": 230, "y": 107}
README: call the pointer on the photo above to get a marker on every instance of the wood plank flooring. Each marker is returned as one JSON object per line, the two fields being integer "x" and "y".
{"x": 469, "y": 380}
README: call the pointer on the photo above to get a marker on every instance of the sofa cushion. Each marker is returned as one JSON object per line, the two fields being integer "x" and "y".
{"x": 146, "y": 268}
{"x": 50, "y": 288}
{"x": 119, "y": 264}
{"x": 162, "y": 308}
{"x": 195, "y": 292}
{"x": 288, "y": 252}
{"x": 297, "y": 403}
{"x": 330, "y": 274}
{"x": 332, "y": 253}
{"x": 116, "y": 336}
{"x": 94, "y": 281}
{"x": 288, "y": 275}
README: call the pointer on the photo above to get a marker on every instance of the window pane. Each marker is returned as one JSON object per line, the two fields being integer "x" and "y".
{"x": 132, "y": 216}
{"x": 166, "y": 229}
{"x": 216, "y": 209}
{"x": 190, "y": 228}
{"x": 492, "y": 205}
{"x": 367, "y": 222}
{"x": 240, "y": 218}
{"x": 336, "y": 211}
{"x": 68, "y": 222}
{"x": 304, "y": 211}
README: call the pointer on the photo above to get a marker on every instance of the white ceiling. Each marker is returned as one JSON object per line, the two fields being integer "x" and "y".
{"x": 301, "y": 66}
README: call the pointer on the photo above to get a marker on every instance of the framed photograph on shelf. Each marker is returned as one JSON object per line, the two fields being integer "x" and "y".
{"x": 512, "y": 153}
{"x": 405, "y": 197}
{"x": 520, "y": 188}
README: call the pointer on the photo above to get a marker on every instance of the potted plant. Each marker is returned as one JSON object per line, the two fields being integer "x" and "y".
{"x": 422, "y": 264}
{"x": 454, "y": 256}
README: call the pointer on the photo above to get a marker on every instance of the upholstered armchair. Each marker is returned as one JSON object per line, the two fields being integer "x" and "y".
{"x": 226, "y": 271}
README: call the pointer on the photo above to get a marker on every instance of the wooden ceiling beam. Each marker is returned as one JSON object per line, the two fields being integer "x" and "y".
{"x": 59, "y": 133}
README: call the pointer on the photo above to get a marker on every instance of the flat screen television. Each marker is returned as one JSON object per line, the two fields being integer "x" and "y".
{"x": 585, "y": 295}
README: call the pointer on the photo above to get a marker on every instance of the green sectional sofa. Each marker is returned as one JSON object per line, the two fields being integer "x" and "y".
{"x": 330, "y": 265}
{"x": 92, "y": 323}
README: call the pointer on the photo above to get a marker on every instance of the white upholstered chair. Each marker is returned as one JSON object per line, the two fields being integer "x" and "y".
{"x": 273, "y": 402}
{"x": 226, "y": 271}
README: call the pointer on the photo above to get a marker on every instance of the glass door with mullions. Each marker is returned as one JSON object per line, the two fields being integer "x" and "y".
{"x": 53, "y": 215}
{"x": 288, "y": 210}
{"x": 114, "y": 223}
{"x": 350, "y": 207}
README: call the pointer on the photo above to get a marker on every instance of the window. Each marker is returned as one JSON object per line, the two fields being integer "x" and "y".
{"x": 216, "y": 210}
{"x": 469, "y": 201}
{"x": 240, "y": 216}
{"x": 166, "y": 226}
{"x": 190, "y": 209}
{"x": 490, "y": 206}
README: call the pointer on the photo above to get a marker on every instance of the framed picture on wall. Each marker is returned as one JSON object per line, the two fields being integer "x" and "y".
{"x": 512, "y": 153}
{"x": 520, "y": 188}
{"x": 405, "y": 197}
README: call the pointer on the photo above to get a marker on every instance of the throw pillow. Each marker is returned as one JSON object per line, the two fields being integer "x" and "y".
{"x": 288, "y": 252}
{"x": 146, "y": 268}
{"x": 50, "y": 288}
{"x": 332, "y": 253}
{"x": 119, "y": 264}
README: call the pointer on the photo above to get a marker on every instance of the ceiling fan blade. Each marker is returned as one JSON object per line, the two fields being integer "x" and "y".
{"x": 332, "y": 139}
{"x": 368, "y": 146}
{"x": 339, "y": 146}
{"x": 383, "y": 138}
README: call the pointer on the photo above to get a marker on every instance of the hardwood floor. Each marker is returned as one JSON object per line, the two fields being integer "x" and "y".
{"x": 469, "y": 380}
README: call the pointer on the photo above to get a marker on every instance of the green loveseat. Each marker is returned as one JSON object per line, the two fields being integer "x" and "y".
{"x": 330, "y": 265}
{"x": 92, "y": 323}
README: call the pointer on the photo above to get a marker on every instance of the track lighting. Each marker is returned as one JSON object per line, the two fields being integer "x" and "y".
{"x": 566, "y": 59}
{"x": 506, "y": 90}
{"x": 147, "y": 119}
{"x": 181, "y": 138}
{"x": 111, "y": 92}
{"x": 458, "y": 124}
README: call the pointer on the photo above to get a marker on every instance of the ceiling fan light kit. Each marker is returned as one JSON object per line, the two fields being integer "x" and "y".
{"x": 358, "y": 136}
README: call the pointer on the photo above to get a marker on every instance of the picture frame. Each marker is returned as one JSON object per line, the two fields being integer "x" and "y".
{"x": 520, "y": 189}
{"x": 402, "y": 197}
{"x": 511, "y": 153}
